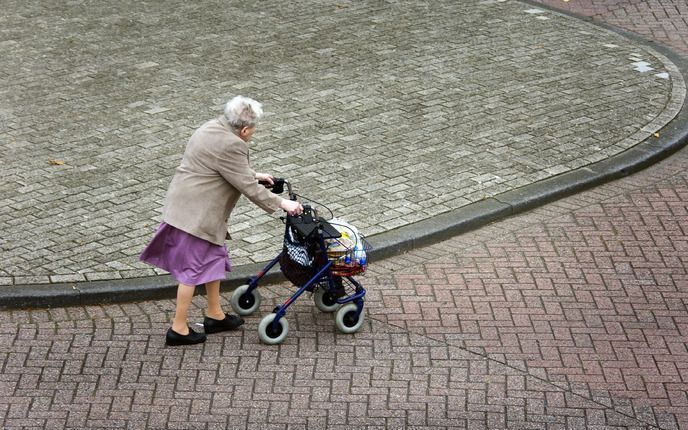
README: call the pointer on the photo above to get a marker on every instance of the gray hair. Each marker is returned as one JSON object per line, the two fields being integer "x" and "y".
{"x": 243, "y": 112}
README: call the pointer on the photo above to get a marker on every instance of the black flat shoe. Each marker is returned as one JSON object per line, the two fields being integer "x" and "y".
{"x": 230, "y": 322}
{"x": 174, "y": 339}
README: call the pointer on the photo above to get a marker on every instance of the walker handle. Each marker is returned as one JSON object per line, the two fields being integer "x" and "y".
{"x": 277, "y": 186}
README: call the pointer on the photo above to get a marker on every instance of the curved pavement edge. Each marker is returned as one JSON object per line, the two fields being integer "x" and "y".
{"x": 673, "y": 137}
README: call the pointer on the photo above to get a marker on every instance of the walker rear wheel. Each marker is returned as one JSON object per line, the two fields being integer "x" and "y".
{"x": 346, "y": 320}
{"x": 326, "y": 300}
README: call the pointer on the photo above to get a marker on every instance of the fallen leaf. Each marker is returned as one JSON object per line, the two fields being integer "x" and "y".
{"x": 56, "y": 162}
{"x": 656, "y": 134}
{"x": 341, "y": 6}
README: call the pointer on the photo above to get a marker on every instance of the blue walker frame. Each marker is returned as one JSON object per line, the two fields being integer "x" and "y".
{"x": 323, "y": 273}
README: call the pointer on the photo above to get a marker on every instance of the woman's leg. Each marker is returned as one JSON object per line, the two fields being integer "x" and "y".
{"x": 180, "y": 324}
{"x": 214, "y": 308}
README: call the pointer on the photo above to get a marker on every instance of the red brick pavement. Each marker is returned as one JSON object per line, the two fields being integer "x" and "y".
{"x": 589, "y": 293}
{"x": 664, "y": 21}
{"x": 106, "y": 368}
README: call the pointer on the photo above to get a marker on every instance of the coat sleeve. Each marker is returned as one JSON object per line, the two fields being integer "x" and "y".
{"x": 232, "y": 163}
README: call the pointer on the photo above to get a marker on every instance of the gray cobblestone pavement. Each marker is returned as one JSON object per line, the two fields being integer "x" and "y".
{"x": 388, "y": 112}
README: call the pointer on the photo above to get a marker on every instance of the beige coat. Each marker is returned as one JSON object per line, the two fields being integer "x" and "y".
{"x": 213, "y": 174}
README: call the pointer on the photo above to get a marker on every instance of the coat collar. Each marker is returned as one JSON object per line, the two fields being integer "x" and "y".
{"x": 225, "y": 124}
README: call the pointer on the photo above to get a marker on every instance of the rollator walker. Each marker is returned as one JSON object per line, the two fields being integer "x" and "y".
{"x": 320, "y": 256}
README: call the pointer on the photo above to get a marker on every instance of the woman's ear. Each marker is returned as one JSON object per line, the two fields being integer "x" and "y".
{"x": 245, "y": 133}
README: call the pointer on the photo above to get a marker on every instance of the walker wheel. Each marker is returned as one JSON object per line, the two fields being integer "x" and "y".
{"x": 245, "y": 302}
{"x": 272, "y": 335}
{"x": 345, "y": 319}
{"x": 326, "y": 299}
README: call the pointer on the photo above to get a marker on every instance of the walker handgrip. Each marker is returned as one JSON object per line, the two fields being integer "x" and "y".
{"x": 276, "y": 187}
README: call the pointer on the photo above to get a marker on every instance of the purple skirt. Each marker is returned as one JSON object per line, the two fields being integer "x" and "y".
{"x": 189, "y": 259}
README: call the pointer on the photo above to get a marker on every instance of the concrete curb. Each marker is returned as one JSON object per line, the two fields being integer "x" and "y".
{"x": 672, "y": 137}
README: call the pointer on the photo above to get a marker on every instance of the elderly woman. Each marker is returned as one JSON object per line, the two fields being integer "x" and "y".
{"x": 213, "y": 174}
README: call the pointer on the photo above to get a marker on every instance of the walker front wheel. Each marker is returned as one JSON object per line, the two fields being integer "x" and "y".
{"x": 245, "y": 302}
{"x": 346, "y": 320}
{"x": 273, "y": 334}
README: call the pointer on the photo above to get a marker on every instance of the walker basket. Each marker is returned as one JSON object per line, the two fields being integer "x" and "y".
{"x": 348, "y": 258}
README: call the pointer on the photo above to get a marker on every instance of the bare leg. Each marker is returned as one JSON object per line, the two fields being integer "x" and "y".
{"x": 214, "y": 308}
{"x": 180, "y": 323}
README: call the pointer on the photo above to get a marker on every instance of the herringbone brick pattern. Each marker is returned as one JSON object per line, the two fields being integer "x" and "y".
{"x": 106, "y": 367}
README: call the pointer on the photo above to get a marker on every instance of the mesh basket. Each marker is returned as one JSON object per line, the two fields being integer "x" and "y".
{"x": 348, "y": 258}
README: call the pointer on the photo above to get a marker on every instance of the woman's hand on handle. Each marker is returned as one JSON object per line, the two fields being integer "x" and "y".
{"x": 292, "y": 207}
{"x": 265, "y": 177}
